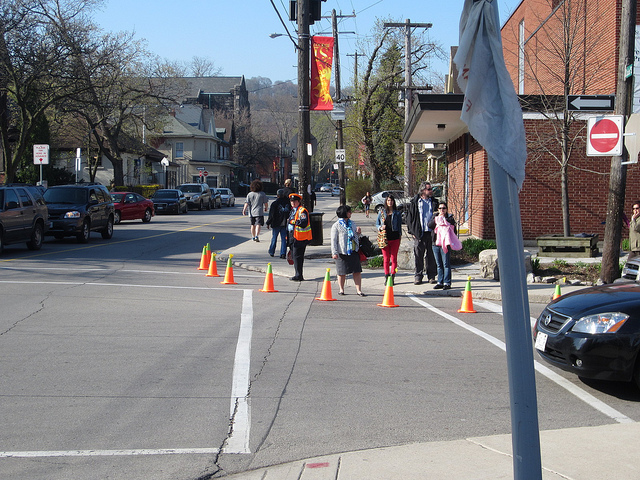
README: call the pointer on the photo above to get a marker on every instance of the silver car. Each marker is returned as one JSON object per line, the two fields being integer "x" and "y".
{"x": 226, "y": 196}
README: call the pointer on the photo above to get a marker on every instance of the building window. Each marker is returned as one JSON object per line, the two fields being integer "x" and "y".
{"x": 521, "y": 58}
{"x": 179, "y": 150}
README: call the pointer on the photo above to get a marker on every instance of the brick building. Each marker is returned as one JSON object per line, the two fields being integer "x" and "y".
{"x": 529, "y": 36}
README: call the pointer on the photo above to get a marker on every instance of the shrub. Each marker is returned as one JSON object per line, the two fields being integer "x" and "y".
{"x": 355, "y": 190}
{"x": 473, "y": 246}
{"x": 375, "y": 262}
{"x": 625, "y": 244}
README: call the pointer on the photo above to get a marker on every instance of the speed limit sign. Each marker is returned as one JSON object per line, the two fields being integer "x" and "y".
{"x": 340, "y": 155}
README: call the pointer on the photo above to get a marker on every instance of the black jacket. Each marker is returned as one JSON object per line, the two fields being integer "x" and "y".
{"x": 414, "y": 222}
{"x": 279, "y": 213}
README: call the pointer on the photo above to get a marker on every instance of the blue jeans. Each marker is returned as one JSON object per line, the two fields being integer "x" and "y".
{"x": 275, "y": 233}
{"x": 443, "y": 264}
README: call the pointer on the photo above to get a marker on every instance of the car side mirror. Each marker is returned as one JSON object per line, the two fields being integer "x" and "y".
{"x": 11, "y": 205}
{"x": 93, "y": 201}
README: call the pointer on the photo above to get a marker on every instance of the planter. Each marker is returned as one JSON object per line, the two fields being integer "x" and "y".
{"x": 559, "y": 246}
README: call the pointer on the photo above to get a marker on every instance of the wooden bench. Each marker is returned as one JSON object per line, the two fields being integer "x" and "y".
{"x": 557, "y": 245}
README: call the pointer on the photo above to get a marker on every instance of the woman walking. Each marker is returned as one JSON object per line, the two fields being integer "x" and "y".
{"x": 366, "y": 202}
{"x": 345, "y": 243}
{"x": 390, "y": 221}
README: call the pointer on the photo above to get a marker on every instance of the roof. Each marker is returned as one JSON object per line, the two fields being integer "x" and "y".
{"x": 212, "y": 84}
{"x": 178, "y": 128}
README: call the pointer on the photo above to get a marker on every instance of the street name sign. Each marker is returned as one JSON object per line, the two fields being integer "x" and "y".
{"x": 604, "y": 135}
{"x": 591, "y": 103}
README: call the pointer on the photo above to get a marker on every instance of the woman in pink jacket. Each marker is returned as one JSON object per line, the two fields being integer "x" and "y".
{"x": 444, "y": 238}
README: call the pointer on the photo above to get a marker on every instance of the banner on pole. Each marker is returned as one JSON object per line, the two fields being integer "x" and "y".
{"x": 321, "y": 61}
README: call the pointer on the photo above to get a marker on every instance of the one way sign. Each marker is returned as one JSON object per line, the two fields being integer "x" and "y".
{"x": 591, "y": 103}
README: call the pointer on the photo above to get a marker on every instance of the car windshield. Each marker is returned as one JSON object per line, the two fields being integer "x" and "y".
{"x": 70, "y": 196}
{"x": 190, "y": 188}
{"x": 117, "y": 197}
{"x": 165, "y": 194}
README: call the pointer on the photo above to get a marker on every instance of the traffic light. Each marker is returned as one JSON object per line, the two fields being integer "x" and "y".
{"x": 314, "y": 7}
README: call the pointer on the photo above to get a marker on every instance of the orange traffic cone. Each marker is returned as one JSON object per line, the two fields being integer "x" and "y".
{"x": 467, "y": 300}
{"x": 213, "y": 267}
{"x": 228, "y": 274}
{"x": 204, "y": 264}
{"x": 557, "y": 293}
{"x": 326, "y": 296}
{"x": 388, "y": 300}
{"x": 268, "y": 281}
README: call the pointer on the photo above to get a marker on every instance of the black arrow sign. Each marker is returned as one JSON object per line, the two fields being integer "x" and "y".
{"x": 591, "y": 103}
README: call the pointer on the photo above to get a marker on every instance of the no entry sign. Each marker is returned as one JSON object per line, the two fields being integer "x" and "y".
{"x": 604, "y": 135}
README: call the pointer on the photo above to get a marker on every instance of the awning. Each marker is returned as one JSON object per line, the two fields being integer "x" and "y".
{"x": 435, "y": 118}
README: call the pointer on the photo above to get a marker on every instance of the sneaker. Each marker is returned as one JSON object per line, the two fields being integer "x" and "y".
{"x": 433, "y": 280}
{"x": 447, "y": 287}
{"x": 417, "y": 281}
{"x": 439, "y": 286}
{"x": 257, "y": 239}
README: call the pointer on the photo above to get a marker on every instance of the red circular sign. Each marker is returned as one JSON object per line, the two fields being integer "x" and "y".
{"x": 604, "y": 135}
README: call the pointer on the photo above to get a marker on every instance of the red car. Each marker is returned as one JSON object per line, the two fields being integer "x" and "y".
{"x": 131, "y": 206}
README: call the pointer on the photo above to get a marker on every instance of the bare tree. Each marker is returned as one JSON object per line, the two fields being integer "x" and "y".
{"x": 203, "y": 67}
{"x": 566, "y": 60}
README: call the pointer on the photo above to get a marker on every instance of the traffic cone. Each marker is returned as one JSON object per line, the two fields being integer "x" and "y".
{"x": 326, "y": 296}
{"x": 467, "y": 301}
{"x": 268, "y": 281}
{"x": 557, "y": 293}
{"x": 228, "y": 274}
{"x": 388, "y": 300}
{"x": 213, "y": 267}
{"x": 204, "y": 264}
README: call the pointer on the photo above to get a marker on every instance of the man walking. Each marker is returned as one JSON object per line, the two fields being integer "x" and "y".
{"x": 419, "y": 213}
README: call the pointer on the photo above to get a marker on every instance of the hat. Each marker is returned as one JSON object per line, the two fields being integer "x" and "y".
{"x": 296, "y": 196}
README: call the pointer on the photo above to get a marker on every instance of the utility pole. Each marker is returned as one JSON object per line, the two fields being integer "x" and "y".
{"x": 618, "y": 176}
{"x": 355, "y": 56}
{"x": 408, "y": 93}
{"x": 304, "y": 118}
{"x": 339, "y": 139}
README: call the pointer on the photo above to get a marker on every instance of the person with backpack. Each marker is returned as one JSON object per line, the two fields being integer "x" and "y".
{"x": 277, "y": 222}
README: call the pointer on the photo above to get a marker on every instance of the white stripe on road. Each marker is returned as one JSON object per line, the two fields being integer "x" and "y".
{"x": 550, "y": 374}
{"x": 238, "y": 440}
{"x": 111, "y": 453}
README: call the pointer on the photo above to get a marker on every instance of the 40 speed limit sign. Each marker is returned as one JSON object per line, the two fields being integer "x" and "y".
{"x": 340, "y": 155}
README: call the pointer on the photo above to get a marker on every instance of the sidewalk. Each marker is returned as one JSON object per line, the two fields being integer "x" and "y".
{"x": 575, "y": 453}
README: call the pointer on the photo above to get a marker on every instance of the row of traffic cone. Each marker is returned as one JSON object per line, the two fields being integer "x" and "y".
{"x": 208, "y": 262}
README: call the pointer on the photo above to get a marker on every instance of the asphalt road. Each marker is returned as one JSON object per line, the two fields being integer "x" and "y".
{"x": 120, "y": 360}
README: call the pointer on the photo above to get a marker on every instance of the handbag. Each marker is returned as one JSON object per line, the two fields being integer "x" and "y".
{"x": 290, "y": 257}
{"x": 382, "y": 238}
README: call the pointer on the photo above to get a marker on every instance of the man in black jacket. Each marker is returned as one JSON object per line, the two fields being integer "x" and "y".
{"x": 277, "y": 221}
{"x": 419, "y": 212}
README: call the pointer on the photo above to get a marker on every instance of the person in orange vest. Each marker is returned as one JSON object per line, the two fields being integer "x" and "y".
{"x": 299, "y": 228}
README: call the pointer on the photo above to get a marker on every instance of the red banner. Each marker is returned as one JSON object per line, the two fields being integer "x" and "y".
{"x": 322, "y": 58}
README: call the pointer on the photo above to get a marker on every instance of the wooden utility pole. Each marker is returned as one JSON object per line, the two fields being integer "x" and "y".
{"x": 618, "y": 176}
{"x": 304, "y": 118}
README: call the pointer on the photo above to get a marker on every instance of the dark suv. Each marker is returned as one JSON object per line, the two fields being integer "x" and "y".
{"x": 23, "y": 216}
{"x": 198, "y": 195}
{"x": 77, "y": 210}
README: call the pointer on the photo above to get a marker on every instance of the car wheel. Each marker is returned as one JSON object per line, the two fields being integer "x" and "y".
{"x": 83, "y": 236}
{"x": 36, "y": 237}
{"x": 378, "y": 208}
{"x": 117, "y": 217}
{"x": 107, "y": 232}
{"x": 147, "y": 216}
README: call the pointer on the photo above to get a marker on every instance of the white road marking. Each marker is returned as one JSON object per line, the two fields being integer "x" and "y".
{"x": 109, "y": 453}
{"x": 240, "y": 414}
{"x": 543, "y": 370}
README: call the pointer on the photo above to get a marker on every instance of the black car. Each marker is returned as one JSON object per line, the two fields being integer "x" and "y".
{"x": 169, "y": 200}
{"x": 593, "y": 332}
{"x": 77, "y": 210}
{"x": 23, "y": 216}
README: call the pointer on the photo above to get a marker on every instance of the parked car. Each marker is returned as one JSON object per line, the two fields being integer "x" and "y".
{"x": 198, "y": 195}
{"x": 327, "y": 187}
{"x": 23, "y": 216}
{"x": 318, "y": 187}
{"x": 216, "y": 198}
{"x": 169, "y": 200}
{"x": 131, "y": 206}
{"x": 379, "y": 199}
{"x": 77, "y": 210}
{"x": 335, "y": 191}
{"x": 593, "y": 332}
{"x": 226, "y": 196}
{"x": 631, "y": 269}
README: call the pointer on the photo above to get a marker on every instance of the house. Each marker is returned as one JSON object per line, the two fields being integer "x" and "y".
{"x": 526, "y": 38}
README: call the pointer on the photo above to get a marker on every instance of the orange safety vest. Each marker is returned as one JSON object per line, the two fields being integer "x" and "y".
{"x": 302, "y": 233}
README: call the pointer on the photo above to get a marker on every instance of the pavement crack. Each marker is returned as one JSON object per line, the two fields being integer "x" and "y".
{"x": 18, "y": 322}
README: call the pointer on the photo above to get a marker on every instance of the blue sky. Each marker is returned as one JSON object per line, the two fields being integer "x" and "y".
{"x": 235, "y": 34}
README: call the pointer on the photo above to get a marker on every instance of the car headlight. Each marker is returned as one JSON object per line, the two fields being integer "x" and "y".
{"x": 195, "y": 196}
{"x": 609, "y": 322}
{"x": 74, "y": 214}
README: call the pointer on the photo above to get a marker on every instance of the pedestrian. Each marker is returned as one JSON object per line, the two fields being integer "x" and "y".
{"x": 299, "y": 231}
{"x": 444, "y": 239}
{"x": 277, "y": 221}
{"x": 366, "y": 201}
{"x": 634, "y": 232}
{"x": 345, "y": 237}
{"x": 288, "y": 188}
{"x": 313, "y": 199}
{"x": 390, "y": 221}
{"x": 256, "y": 204}
{"x": 419, "y": 212}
